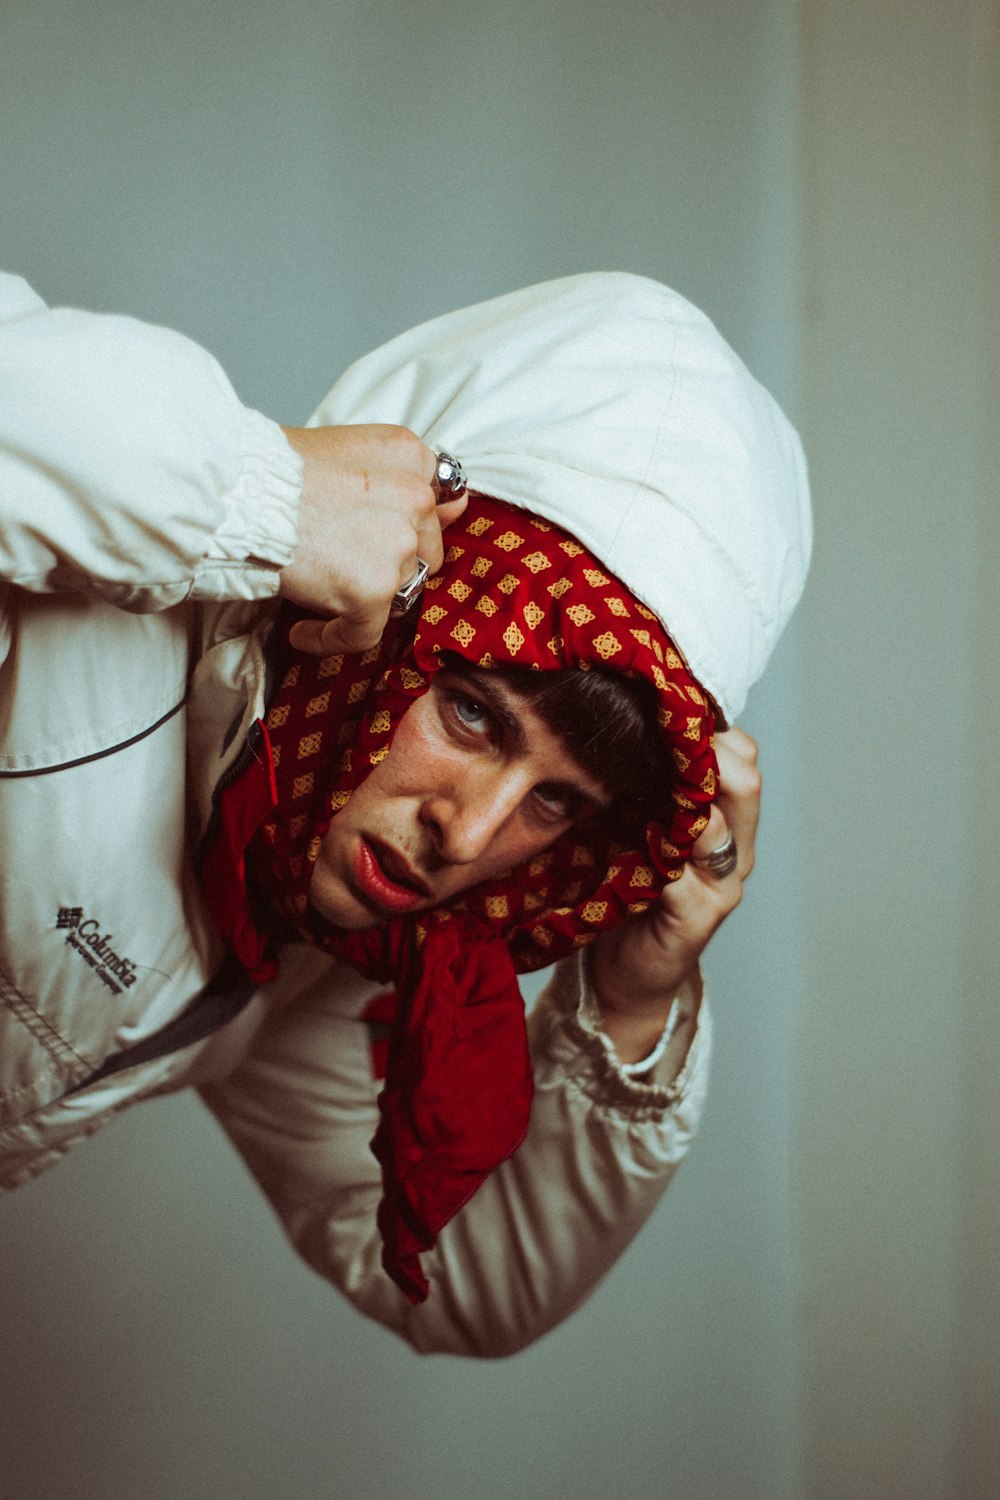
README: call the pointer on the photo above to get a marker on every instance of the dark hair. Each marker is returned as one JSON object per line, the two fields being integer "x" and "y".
{"x": 608, "y": 723}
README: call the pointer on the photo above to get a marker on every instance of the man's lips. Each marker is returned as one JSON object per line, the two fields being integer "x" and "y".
{"x": 384, "y": 879}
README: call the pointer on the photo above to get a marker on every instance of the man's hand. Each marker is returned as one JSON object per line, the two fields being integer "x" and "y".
{"x": 639, "y": 968}
{"x": 367, "y": 513}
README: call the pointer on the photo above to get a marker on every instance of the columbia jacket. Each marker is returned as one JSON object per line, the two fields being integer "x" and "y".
{"x": 145, "y": 516}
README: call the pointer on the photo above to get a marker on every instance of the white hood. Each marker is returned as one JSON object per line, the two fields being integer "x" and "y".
{"x": 610, "y": 405}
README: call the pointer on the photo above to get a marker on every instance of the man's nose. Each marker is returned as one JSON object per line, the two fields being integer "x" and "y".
{"x": 463, "y": 821}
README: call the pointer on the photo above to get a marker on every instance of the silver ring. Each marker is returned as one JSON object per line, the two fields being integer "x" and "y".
{"x": 449, "y": 478}
{"x": 449, "y": 484}
{"x": 722, "y": 861}
{"x": 411, "y": 590}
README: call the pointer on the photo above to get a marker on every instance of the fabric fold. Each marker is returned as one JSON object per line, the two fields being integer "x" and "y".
{"x": 458, "y": 1088}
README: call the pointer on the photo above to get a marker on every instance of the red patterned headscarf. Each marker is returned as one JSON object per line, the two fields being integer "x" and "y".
{"x": 513, "y": 591}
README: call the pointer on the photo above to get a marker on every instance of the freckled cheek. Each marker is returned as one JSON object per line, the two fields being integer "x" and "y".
{"x": 421, "y": 760}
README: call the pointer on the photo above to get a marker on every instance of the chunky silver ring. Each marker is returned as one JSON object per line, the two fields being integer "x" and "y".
{"x": 449, "y": 478}
{"x": 722, "y": 861}
{"x": 449, "y": 484}
{"x": 411, "y": 590}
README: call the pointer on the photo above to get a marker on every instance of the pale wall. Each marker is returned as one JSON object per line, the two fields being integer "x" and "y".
{"x": 896, "y": 1186}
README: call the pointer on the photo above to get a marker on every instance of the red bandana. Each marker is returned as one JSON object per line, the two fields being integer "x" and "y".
{"x": 513, "y": 591}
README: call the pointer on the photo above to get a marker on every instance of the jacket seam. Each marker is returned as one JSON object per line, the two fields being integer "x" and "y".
{"x": 58, "y": 1049}
{"x": 29, "y": 1091}
{"x": 83, "y": 760}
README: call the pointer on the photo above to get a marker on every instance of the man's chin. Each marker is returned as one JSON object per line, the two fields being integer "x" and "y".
{"x": 337, "y": 904}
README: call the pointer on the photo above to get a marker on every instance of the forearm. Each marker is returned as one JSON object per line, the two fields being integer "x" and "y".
{"x": 128, "y": 466}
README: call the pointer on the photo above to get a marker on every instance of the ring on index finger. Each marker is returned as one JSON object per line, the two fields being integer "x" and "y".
{"x": 410, "y": 592}
{"x": 449, "y": 478}
{"x": 722, "y": 861}
{"x": 449, "y": 484}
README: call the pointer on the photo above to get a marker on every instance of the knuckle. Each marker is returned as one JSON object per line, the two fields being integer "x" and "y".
{"x": 741, "y": 741}
{"x": 743, "y": 781}
{"x": 753, "y": 781}
{"x": 740, "y": 746}
{"x": 415, "y": 452}
{"x": 380, "y": 583}
{"x": 728, "y": 896}
{"x": 712, "y": 836}
{"x": 399, "y": 545}
{"x": 413, "y": 496}
{"x": 433, "y": 556}
{"x": 423, "y": 496}
{"x": 716, "y": 828}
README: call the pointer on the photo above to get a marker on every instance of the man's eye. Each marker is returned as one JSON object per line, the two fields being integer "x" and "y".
{"x": 471, "y": 712}
{"x": 555, "y": 802}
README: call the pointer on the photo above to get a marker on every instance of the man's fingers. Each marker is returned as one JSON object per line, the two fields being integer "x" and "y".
{"x": 735, "y": 742}
{"x": 366, "y": 514}
{"x": 339, "y": 637}
{"x": 362, "y": 628}
{"x": 712, "y": 836}
{"x": 429, "y": 545}
{"x": 739, "y": 792}
{"x": 736, "y": 809}
{"x": 430, "y": 542}
{"x": 712, "y": 841}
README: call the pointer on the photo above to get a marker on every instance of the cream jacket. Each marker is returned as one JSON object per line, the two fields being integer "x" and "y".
{"x": 146, "y": 514}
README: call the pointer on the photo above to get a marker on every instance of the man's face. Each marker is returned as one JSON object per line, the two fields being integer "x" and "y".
{"x": 474, "y": 784}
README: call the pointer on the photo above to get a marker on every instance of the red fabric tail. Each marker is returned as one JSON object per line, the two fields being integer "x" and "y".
{"x": 458, "y": 1089}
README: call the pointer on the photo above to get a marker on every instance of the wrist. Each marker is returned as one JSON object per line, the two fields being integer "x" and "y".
{"x": 625, "y": 988}
{"x": 649, "y": 1060}
{"x": 637, "y": 1020}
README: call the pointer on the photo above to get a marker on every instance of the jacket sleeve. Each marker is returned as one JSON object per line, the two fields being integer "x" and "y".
{"x": 538, "y": 1236}
{"x": 129, "y": 469}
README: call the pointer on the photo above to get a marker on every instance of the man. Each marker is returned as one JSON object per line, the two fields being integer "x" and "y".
{"x": 579, "y": 403}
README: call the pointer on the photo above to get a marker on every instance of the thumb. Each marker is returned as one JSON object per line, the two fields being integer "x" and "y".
{"x": 339, "y": 637}
{"x": 450, "y": 510}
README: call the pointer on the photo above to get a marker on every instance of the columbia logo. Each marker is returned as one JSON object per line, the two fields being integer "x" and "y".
{"x": 84, "y": 936}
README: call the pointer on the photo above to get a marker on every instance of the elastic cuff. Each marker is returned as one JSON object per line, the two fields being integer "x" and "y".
{"x": 259, "y": 529}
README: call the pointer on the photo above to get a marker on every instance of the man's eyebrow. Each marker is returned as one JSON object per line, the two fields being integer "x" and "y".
{"x": 500, "y": 700}
{"x": 503, "y": 702}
